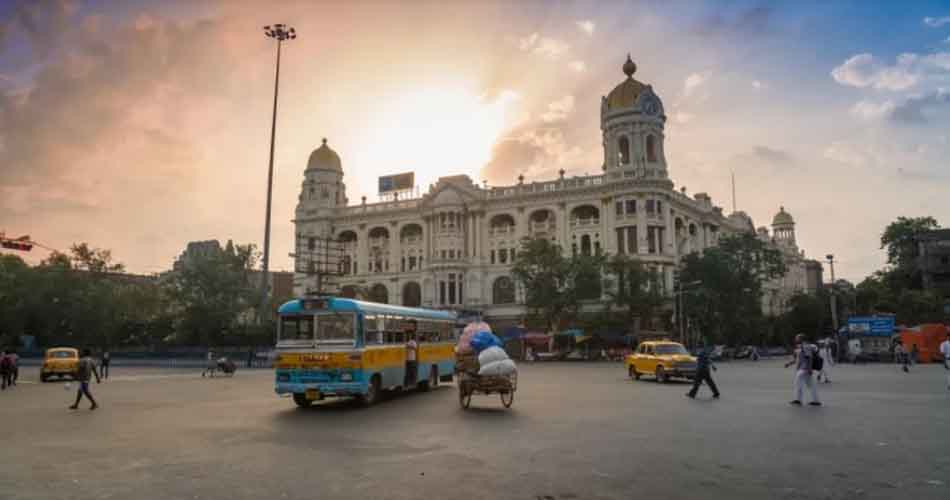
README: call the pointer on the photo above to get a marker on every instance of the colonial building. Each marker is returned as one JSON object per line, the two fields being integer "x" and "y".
{"x": 453, "y": 246}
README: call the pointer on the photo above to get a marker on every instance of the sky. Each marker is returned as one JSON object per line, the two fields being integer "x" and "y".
{"x": 139, "y": 126}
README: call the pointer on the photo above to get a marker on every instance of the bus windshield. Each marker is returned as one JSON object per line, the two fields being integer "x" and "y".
{"x": 322, "y": 327}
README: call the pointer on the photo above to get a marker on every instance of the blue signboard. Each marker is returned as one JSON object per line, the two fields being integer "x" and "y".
{"x": 875, "y": 326}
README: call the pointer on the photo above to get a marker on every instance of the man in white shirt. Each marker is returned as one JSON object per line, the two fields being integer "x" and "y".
{"x": 828, "y": 359}
{"x": 803, "y": 370}
{"x": 945, "y": 350}
{"x": 412, "y": 351}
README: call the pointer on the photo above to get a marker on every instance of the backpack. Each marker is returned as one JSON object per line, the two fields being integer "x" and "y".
{"x": 816, "y": 362}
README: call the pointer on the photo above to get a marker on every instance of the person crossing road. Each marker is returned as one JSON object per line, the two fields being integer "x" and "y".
{"x": 703, "y": 365}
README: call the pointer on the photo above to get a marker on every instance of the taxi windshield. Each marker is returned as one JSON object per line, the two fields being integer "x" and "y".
{"x": 670, "y": 349}
{"x": 62, "y": 354}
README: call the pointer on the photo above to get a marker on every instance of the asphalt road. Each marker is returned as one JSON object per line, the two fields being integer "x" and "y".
{"x": 576, "y": 431}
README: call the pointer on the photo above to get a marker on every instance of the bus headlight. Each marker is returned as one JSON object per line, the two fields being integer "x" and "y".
{"x": 346, "y": 377}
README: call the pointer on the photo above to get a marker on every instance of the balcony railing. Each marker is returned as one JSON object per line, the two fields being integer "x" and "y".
{"x": 412, "y": 240}
{"x": 501, "y": 230}
{"x": 378, "y": 242}
{"x": 591, "y": 221}
{"x": 543, "y": 227}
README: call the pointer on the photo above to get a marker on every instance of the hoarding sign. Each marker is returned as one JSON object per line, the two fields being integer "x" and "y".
{"x": 878, "y": 326}
{"x": 397, "y": 182}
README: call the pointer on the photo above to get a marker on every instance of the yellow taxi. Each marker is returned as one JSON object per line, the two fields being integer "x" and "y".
{"x": 60, "y": 362}
{"x": 662, "y": 359}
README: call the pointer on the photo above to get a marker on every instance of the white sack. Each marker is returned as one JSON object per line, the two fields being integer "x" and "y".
{"x": 503, "y": 368}
{"x": 492, "y": 354}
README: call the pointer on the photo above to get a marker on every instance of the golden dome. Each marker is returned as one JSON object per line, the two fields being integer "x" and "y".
{"x": 324, "y": 158}
{"x": 783, "y": 218}
{"x": 625, "y": 95}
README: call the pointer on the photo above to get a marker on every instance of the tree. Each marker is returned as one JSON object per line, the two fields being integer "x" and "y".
{"x": 900, "y": 240}
{"x": 727, "y": 302}
{"x": 634, "y": 289}
{"x": 555, "y": 285}
{"x": 212, "y": 292}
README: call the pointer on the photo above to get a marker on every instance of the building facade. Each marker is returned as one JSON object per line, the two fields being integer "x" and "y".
{"x": 453, "y": 247}
{"x": 933, "y": 260}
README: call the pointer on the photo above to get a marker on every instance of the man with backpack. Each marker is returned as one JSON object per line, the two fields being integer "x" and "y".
{"x": 806, "y": 360}
{"x": 87, "y": 368}
{"x": 6, "y": 370}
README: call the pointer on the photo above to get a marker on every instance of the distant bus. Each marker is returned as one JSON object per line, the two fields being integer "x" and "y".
{"x": 332, "y": 346}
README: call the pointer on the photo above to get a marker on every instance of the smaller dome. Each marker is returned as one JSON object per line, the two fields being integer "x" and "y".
{"x": 324, "y": 158}
{"x": 783, "y": 218}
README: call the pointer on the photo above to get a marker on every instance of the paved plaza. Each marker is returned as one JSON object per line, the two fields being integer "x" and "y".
{"x": 576, "y": 431}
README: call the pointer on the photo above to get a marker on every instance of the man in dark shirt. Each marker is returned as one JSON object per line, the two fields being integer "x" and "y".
{"x": 87, "y": 368}
{"x": 703, "y": 365}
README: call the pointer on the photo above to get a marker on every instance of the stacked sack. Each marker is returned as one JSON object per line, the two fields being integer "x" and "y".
{"x": 492, "y": 358}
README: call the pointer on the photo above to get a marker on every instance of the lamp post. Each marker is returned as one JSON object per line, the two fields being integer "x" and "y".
{"x": 281, "y": 33}
{"x": 834, "y": 300}
{"x": 681, "y": 305}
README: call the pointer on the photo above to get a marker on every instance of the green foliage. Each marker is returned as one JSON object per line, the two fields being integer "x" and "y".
{"x": 634, "y": 289}
{"x": 555, "y": 284}
{"x": 726, "y": 304}
{"x": 899, "y": 238}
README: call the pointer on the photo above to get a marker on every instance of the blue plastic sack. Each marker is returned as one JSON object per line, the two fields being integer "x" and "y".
{"x": 483, "y": 340}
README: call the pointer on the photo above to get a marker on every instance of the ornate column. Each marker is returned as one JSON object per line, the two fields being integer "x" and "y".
{"x": 642, "y": 247}
{"x": 362, "y": 248}
{"x": 395, "y": 248}
{"x": 606, "y": 226}
{"x": 669, "y": 243}
{"x": 565, "y": 224}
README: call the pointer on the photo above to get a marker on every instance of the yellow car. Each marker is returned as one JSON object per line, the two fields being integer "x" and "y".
{"x": 60, "y": 362}
{"x": 661, "y": 359}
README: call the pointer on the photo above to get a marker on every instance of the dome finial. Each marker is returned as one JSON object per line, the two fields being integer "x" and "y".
{"x": 629, "y": 67}
{"x": 324, "y": 141}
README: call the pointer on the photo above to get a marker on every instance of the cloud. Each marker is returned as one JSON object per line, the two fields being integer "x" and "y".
{"x": 773, "y": 156}
{"x": 559, "y": 110}
{"x": 913, "y": 110}
{"x": 758, "y": 85}
{"x": 587, "y": 26}
{"x": 543, "y": 46}
{"x": 843, "y": 152}
{"x": 578, "y": 66}
{"x": 863, "y": 70}
{"x": 683, "y": 117}
{"x": 751, "y": 22}
{"x": 694, "y": 81}
{"x": 936, "y": 22}
{"x": 536, "y": 153}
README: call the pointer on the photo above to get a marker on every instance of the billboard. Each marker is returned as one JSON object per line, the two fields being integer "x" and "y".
{"x": 397, "y": 182}
{"x": 875, "y": 326}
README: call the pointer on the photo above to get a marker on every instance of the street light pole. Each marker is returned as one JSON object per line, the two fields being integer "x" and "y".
{"x": 279, "y": 32}
{"x": 834, "y": 298}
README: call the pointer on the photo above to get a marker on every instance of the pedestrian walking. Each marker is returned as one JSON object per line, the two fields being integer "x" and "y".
{"x": 250, "y": 357}
{"x": 901, "y": 357}
{"x": 6, "y": 370}
{"x": 945, "y": 350}
{"x": 412, "y": 365}
{"x": 703, "y": 365}
{"x": 104, "y": 364}
{"x": 804, "y": 361}
{"x": 15, "y": 360}
{"x": 210, "y": 365}
{"x": 827, "y": 359}
{"x": 914, "y": 355}
{"x": 87, "y": 368}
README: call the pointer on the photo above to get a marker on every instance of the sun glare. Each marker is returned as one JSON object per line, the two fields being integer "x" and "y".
{"x": 434, "y": 132}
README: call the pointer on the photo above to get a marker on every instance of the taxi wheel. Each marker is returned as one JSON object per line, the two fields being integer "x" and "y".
{"x": 634, "y": 374}
{"x": 661, "y": 376}
{"x": 44, "y": 378}
{"x": 301, "y": 400}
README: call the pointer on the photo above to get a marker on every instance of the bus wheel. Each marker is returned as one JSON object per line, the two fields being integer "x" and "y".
{"x": 301, "y": 400}
{"x": 372, "y": 392}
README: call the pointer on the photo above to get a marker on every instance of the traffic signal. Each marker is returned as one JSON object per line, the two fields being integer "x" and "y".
{"x": 22, "y": 243}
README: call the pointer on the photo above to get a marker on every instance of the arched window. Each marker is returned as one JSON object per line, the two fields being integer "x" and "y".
{"x": 624, "y": 150}
{"x": 503, "y": 291}
{"x": 379, "y": 293}
{"x": 412, "y": 294}
{"x": 651, "y": 148}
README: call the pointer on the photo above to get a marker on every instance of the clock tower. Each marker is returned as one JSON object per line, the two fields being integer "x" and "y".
{"x": 632, "y": 121}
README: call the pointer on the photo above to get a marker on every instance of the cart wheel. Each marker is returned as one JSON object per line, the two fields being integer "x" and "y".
{"x": 507, "y": 398}
{"x": 465, "y": 396}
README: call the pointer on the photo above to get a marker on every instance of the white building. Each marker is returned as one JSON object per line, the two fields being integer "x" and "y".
{"x": 453, "y": 246}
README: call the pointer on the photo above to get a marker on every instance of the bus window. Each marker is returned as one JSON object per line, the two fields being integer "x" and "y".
{"x": 296, "y": 328}
{"x": 371, "y": 325}
{"x": 332, "y": 327}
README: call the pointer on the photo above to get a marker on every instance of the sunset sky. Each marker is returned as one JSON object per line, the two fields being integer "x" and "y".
{"x": 141, "y": 125}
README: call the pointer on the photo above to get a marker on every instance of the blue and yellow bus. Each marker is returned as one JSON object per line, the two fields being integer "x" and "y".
{"x": 332, "y": 346}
